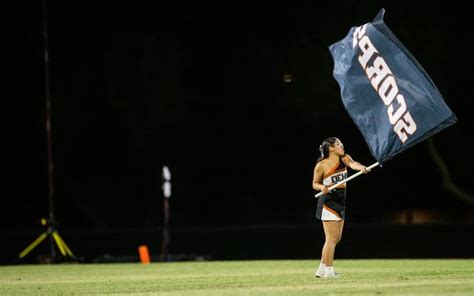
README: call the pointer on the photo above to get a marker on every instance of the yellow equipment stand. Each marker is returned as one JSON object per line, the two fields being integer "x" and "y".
{"x": 54, "y": 238}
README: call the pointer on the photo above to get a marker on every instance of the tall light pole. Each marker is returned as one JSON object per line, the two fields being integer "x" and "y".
{"x": 48, "y": 129}
{"x": 51, "y": 228}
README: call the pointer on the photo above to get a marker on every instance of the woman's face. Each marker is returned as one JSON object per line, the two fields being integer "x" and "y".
{"x": 338, "y": 147}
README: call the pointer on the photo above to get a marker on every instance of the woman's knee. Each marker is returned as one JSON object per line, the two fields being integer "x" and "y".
{"x": 332, "y": 240}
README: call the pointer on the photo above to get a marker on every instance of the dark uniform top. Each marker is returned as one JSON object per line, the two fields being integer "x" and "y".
{"x": 332, "y": 206}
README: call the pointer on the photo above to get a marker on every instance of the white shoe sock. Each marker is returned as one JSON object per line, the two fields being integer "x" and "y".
{"x": 329, "y": 272}
{"x": 321, "y": 270}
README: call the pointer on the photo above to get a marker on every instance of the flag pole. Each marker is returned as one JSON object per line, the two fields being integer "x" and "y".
{"x": 348, "y": 179}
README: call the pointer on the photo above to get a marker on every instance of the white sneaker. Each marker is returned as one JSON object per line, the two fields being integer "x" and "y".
{"x": 331, "y": 275}
{"x": 319, "y": 273}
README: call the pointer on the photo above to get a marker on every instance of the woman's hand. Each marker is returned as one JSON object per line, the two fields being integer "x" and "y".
{"x": 324, "y": 189}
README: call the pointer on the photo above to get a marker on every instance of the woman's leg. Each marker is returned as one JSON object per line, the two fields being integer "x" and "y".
{"x": 332, "y": 232}
{"x": 341, "y": 227}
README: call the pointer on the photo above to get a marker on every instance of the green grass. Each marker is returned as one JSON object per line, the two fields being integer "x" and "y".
{"x": 265, "y": 277}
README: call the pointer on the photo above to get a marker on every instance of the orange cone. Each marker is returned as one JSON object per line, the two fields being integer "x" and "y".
{"x": 144, "y": 254}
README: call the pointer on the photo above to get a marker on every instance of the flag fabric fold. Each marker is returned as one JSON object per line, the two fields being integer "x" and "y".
{"x": 387, "y": 93}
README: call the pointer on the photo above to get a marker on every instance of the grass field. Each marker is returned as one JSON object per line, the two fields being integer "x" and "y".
{"x": 266, "y": 277}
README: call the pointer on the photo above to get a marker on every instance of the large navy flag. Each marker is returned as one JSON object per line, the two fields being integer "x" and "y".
{"x": 388, "y": 95}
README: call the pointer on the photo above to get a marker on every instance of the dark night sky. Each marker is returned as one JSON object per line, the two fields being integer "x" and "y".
{"x": 198, "y": 86}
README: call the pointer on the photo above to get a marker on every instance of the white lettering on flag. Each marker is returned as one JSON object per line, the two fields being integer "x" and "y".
{"x": 383, "y": 81}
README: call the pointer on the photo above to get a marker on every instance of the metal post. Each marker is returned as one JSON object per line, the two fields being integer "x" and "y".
{"x": 48, "y": 132}
{"x": 164, "y": 256}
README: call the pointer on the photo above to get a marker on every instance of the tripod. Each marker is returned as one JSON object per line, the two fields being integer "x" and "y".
{"x": 51, "y": 227}
{"x": 54, "y": 237}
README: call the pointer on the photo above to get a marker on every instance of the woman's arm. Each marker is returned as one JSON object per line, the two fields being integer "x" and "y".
{"x": 356, "y": 166}
{"x": 318, "y": 178}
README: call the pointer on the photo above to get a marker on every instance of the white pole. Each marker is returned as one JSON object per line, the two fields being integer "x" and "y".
{"x": 348, "y": 179}
{"x": 166, "y": 182}
{"x": 164, "y": 256}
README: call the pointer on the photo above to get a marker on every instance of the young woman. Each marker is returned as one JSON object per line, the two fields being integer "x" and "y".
{"x": 331, "y": 169}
